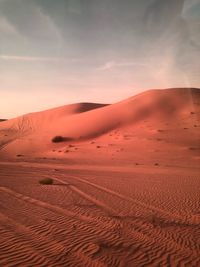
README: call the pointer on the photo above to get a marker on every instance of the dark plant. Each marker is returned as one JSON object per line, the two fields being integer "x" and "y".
{"x": 58, "y": 139}
{"x": 46, "y": 181}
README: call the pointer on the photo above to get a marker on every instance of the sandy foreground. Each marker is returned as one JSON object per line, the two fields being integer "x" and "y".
{"x": 126, "y": 188}
{"x": 97, "y": 217}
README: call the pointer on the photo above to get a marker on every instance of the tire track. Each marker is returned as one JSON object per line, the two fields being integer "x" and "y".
{"x": 98, "y": 203}
{"x": 36, "y": 239}
{"x": 131, "y": 244}
{"x": 45, "y": 205}
{"x": 176, "y": 218}
{"x": 172, "y": 244}
{"x": 96, "y": 228}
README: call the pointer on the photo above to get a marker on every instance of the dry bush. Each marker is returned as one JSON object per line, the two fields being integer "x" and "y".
{"x": 57, "y": 139}
{"x": 46, "y": 181}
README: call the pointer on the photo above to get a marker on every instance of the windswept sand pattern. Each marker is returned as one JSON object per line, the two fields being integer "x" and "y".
{"x": 81, "y": 220}
{"x": 138, "y": 203}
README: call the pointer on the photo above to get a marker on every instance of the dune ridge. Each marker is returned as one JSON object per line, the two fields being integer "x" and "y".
{"x": 80, "y": 122}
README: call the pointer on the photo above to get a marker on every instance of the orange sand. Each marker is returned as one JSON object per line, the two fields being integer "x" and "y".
{"x": 126, "y": 186}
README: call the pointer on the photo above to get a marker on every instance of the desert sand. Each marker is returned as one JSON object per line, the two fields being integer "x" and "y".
{"x": 126, "y": 188}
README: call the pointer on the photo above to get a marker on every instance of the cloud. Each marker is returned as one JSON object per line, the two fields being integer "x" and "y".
{"x": 113, "y": 64}
{"x": 7, "y": 28}
{"x": 38, "y": 59}
{"x": 25, "y": 27}
{"x": 26, "y": 58}
{"x": 190, "y": 6}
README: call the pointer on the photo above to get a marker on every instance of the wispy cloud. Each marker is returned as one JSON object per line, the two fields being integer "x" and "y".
{"x": 38, "y": 59}
{"x": 27, "y": 58}
{"x": 114, "y": 64}
{"x": 7, "y": 28}
{"x": 190, "y": 4}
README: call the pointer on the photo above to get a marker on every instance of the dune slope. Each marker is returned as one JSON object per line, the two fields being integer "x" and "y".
{"x": 32, "y": 133}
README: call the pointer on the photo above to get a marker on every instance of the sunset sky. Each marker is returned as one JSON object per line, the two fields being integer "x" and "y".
{"x": 55, "y": 52}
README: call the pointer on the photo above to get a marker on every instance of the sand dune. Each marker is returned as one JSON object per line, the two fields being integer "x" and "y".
{"x": 32, "y": 133}
{"x": 126, "y": 184}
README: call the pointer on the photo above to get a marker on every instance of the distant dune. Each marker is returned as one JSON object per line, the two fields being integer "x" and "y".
{"x": 167, "y": 112}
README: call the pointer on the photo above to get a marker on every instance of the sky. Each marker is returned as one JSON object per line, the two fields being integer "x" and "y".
{"x": 56, "y": 52}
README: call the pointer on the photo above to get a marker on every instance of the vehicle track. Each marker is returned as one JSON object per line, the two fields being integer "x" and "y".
{"x": 43, "y": 204}
{"x": 165, "y": 214}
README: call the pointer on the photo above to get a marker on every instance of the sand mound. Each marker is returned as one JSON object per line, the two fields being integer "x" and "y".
{"x": 79, "y": 122}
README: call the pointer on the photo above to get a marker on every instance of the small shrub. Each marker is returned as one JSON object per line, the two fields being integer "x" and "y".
{"x": 46, "y": 181}
{"x": 57, "y": 139}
